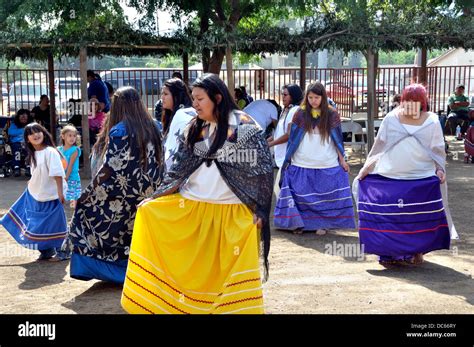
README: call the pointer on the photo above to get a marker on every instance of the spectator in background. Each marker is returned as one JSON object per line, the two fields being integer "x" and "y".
{"x": 264, "y": 112}
{"x": 397, "y": 99}
{"x": 96, "y": 120}
{"x": 459, "y": 105}
{"x": 97, "y": 89}
{"x": 110, "y": 88}
{"x": 177, "y": 113}
{"x": 177, "y": 74}
{"x": 17, "y": 141}
{"x": 159, "y": 103}
{"x": 239, "y": 99}
{"x": 246, "y": 96}
{"x": 292, "y": 96}
{"x": 41, "y": 113}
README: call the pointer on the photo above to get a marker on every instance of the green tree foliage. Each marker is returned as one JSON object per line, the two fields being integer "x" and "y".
{"x": 214, "y": 25}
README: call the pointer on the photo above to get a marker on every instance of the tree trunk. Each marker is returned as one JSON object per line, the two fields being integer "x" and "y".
{"x": 422, "y": 78}
{"x": 206, "y": 56}
{"x": 230, "y": 71}
{"x": 206, "y": 53}
{"x": 216, "y": 60}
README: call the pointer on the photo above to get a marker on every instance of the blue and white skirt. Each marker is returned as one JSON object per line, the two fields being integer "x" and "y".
{"x": 400, "y": 218}
{"x": 314, "y": 199}
{"x": 35, "y": 224}
{"x": 74, "y": 190}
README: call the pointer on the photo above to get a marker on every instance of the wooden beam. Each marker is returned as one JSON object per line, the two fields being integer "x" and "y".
{"x": 52, "y": 98}
{"x": 303, "y": 70}
{"x": 185, "y": 68}
{"x": 372, "y": 110}
{"x": 85, "y": 120}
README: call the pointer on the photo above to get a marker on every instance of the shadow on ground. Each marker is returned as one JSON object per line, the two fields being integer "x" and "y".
{"x": 100, "y": 298}
{"x": 41, "y": 274}
{"x": 433, "y": 276}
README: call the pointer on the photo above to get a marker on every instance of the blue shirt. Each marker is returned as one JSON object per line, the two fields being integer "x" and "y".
{"x": 74, "y": 176}
{"x": 99, "y": 89}
{"x": 15, "y": 133}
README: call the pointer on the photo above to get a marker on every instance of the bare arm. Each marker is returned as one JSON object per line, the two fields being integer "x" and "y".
{"x": 59, "y": 185}
{"x": 70, "y": 164}
{"x": 281, "y": 139}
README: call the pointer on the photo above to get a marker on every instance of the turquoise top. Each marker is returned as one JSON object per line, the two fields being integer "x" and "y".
{"x": 74, "y": 176}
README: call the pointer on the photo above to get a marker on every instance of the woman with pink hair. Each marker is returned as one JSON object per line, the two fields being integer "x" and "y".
{"x": 401, "y": 191}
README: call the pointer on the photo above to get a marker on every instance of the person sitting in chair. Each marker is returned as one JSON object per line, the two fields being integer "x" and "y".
{"x": 459, "y": 105}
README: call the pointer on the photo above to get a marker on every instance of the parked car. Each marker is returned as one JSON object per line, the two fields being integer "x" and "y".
{"x": 146, "y": 81}
{"x": 25, "y": 94}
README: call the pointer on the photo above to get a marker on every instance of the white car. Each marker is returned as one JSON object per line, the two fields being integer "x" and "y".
{"x": 25, "y": 94}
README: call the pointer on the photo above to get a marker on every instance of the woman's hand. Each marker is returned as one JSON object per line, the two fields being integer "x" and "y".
{"x": 441, "y": 175}
{"x": 344, "y": 165}
{"x": 257, "y": 221}
{"x": 362, "y": 175}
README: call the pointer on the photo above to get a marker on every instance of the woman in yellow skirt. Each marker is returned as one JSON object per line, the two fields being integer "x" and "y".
{"x": 195, "y": 247}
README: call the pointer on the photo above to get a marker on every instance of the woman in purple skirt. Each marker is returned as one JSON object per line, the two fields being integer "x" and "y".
{"x": 401, "y": 190}
{"x": 315, "y": 192}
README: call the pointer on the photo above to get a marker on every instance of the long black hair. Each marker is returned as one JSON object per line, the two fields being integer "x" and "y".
{"x": 324, "y": 120}
{"x": 181, "y": 98}
{"x": 213, "y": 86}
{"x": 128, "y": 107}
{"x": 31, "y": 129}
{"x": 295, "y": 92}
{"x": 20, "y": 112}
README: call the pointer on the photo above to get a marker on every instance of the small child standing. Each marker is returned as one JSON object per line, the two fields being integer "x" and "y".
{"x": 96, "y": 120}
{"x": 71, "y": 151}
{"x": 37, "y": 219}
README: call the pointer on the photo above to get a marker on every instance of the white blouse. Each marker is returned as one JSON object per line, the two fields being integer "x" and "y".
{"x": 312, "y": 153}
{"x": 207, "y": 185}
{"x": 281, "y": 129}
{"x": 407, "y": 159}
{"x": 42, "y": 185}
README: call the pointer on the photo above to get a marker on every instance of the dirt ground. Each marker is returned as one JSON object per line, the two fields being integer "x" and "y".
{"x": 303, "y": 277}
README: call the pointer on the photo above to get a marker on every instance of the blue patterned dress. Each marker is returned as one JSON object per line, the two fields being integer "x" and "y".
{"x": 102, "y": 225}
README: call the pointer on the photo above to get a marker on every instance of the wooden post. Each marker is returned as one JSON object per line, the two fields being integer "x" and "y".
{"x": 52, "y": 98}
{"x": 303, "y": 70}
{"x": 371, "y": 96}
{"x": 85, "y": 120}
{"x": 230, "y": 70}
{"x": 422, "y": 78}
{"x": 185, "y": 68}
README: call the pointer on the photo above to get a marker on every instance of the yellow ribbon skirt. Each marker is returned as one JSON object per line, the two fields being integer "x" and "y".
{"x": 193, "y": 257}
